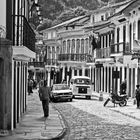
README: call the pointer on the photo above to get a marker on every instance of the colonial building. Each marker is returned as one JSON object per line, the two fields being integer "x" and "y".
{"x": 17, "y": 48}
{"x": 114, "y": 61}
{"x": 103, "y": 45}
{"x": 69, "y": 50}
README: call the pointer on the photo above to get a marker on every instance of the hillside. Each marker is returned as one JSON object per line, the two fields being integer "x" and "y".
{"x": 54, "y": 10}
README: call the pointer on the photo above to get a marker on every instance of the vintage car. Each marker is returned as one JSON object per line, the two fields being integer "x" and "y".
{"x": 61, "y": 92}
{"x": 81, "y": 86}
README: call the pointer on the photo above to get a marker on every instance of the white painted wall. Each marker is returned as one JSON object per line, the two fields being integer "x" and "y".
{"x": 3, "y": 13}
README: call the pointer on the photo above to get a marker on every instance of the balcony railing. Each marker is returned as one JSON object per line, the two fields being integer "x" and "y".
{"x": 75, "y": 57}
{"x": 120, "y": 48}
{"x": 36, "y": 64}
{"x": 103, "y": 53}
{"x": 23, "y": 34}
{"x": 51, "y": 62}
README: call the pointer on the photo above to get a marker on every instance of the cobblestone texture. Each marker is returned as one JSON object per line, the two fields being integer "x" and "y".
{"x": 89, "y": 120}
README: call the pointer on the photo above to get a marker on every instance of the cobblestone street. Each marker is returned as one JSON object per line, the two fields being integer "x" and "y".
{"x": 88, "y": 119}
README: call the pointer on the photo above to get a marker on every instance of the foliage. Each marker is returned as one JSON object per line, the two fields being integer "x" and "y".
{"x": 58, "y": 11}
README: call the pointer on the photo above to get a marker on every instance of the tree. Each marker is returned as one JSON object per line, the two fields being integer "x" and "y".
{"x": 71, "y": 13}
{"x": 46, "y": 24}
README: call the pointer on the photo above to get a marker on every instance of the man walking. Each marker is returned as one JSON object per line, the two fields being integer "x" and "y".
{"x": 44, "y": 92}
{"x": 137, "y": 93}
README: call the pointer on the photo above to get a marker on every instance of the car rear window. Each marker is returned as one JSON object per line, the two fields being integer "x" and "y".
{"x": 60, "y": 87}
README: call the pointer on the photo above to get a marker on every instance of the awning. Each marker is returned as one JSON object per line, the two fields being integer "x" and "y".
{"x": 22, "y": 53}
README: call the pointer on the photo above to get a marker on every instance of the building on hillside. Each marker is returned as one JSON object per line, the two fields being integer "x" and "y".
{"x": 17, "y": 48}
{"x": 69, "y": 49}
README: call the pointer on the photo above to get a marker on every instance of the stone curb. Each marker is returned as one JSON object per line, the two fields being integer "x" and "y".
{"x": 126, "y": 114}
{"x": 63, "y": 123}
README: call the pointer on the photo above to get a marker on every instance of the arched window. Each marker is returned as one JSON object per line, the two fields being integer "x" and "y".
{"x": 53, "y": 52}
{"x": 86, "y": 45}
{"x": 68, "y": 47}
{"x": 82, "y": 46}
{"x": 64, "y": 47}
{"x": 73, "y": 46}
{"x": 49, "y": 52}
{"x": 57, "y": 52}
{"x": 78, "y": 46}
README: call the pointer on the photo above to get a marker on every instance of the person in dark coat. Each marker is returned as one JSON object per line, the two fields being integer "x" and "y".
{"x": 137, "y": 94}
{"x": 123, "y": 88}
{"x": 44, "y": 93}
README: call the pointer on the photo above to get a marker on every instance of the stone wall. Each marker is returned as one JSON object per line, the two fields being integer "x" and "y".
{"x": 5, "y": 84}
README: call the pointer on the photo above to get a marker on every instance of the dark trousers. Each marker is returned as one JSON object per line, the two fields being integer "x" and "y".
{"x": 138, "y": 101}
{"x": 45, "y": 105}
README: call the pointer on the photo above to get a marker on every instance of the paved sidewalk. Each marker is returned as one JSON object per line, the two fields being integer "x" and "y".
{"x": 128, "y": 110}
{"x": 34, "y": 126}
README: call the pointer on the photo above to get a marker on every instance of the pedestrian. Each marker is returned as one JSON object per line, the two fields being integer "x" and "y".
{"x": 44, "y": 93}
{"x": 137, "y": 95}
{"x": 123, "y": 88}
{"x": 30, "y": 86}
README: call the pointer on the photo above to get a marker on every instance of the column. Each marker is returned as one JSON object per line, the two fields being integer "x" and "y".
{"x": 122, "y": 73}
{"x": 72, "y": 72}
{"x": 63, "y": 73}
{"x": 118, "y": 82}
{"x": 78, "y": 72}
{"x": 127, "y": 77}
{"x": 136, "y": 78}
{"x": 83, "y": 71}
{"x": 49, "y": 77}
{"x": 111, "y": 78}
{"x": 108, "y": 79}
{"x": 101, "y": 78}
{"x": 104, "y": 79}
{"x": 132, "y": 82}
{"x": 68, "y": 70}
{"x": 12, "y": 103}
{"x": 95, "y": 79}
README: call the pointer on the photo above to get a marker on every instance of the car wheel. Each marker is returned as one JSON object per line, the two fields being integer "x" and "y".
{"x": 71, "y": 100}
{"x": 73, "y": 97}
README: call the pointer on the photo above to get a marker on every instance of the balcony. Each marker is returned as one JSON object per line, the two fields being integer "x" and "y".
{"x": 23, "y": 34}
{"x": 103, "y": 53}
{"x": 120, "y": 48}
{"x": 52, "y": 62}
{"x": 75, "y": 57}
{"x": 36, "y": 64}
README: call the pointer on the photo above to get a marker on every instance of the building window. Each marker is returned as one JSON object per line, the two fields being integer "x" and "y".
{"x": 53, "y": 52}
{"x": 64, "y": 47}
{"x": 102, "y": 17}
{"x": 68, "y": 46}
{"x": 86, "y": 45}
{"x": 77, "y": 46}
{"x": 49, "y": 52}
{"x": 139, "y": 30}
{"x": 73, "y": 46}
{"x": 82, "y": 46}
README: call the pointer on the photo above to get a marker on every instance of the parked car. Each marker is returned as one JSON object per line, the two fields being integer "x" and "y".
{"x": 81, "y": 86}
{"x": 61, "y": 92}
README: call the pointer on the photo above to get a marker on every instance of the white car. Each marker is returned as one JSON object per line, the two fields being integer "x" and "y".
{"x": 61, "y": 92}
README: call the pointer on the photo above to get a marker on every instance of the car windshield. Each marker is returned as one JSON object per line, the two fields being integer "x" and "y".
{"x": 60, "y": 87}
{"x": 83, "y": 81}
